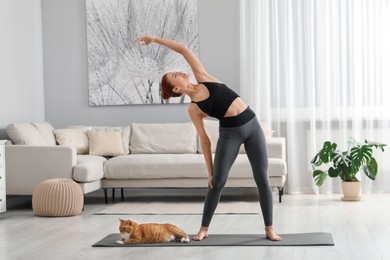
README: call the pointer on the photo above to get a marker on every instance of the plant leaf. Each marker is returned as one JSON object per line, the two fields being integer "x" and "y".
{"x": 319, "y": 177}
{"x": 332, "y": 172}
{"x": 361, "y": 155}
{"x": 316, "y": 160}
{"x": 339, "y": 158}
{"x": 326, "y": 153}
{"x": 376, "y": 145}
{"x": 371, "y": 169}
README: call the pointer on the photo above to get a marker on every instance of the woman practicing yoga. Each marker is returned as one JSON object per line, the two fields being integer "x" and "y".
{"x": 238, "y": 124}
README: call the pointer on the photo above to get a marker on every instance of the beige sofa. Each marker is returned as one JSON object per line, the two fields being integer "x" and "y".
{"x": 138, "y": 156}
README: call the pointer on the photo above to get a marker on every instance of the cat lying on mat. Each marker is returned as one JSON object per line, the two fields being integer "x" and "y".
{"x": 133, "y": 233}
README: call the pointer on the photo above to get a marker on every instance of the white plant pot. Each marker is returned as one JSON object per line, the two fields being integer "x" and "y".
{"x": 351, "y": 190}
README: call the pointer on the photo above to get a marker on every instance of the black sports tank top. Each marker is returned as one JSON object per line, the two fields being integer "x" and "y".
{"x": 219, "y": 100}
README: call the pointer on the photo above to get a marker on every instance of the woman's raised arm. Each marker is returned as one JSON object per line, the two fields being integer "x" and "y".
{"x": 196, "y": 66}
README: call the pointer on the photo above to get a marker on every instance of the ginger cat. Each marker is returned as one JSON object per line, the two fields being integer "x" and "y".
{"x": 133, "y": 233}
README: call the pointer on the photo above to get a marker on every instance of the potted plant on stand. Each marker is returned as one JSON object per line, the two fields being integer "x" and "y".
{"x": 346, "y": 164}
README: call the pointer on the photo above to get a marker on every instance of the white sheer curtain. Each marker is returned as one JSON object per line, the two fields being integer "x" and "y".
{"x": 319, "y": 70}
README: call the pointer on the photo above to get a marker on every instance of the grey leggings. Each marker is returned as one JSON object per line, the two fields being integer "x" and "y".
{"x": 230, "y": 139}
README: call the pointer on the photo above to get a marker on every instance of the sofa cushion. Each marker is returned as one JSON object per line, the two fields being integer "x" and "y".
{"x": 126, "y": 130}
{"x": 150, "y": 166}
{"x": 88, "y": 168}
{"x": 46, "y": 130}
{"x": 105, "y": 143}
{"x": 277, "y": 167}
{"x": 172, "y": 138}
{"x": 173, "y": 166}
{"x": 73, "y": 137}
{"x": 125, "y": 133}
{"x": 25, "y": 134}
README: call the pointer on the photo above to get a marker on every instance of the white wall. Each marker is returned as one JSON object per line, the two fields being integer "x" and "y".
{"x": 21, "y": 69}
{"x": 65, "y": 64}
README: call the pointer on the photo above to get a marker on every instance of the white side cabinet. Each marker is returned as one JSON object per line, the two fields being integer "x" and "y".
{"x": 2, "y": 177}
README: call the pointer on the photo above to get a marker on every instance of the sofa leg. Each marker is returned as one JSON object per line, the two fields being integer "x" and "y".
{"x": 105, "y": 195}
{"x": 122, "y": 197}
{"x": 113, "y": 194}
{"x": 280, "y": 194}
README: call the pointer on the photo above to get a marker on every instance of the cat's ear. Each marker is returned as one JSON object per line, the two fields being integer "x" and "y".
{"x": 120, "y": 220}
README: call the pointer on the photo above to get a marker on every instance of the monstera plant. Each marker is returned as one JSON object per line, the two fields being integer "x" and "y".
{"x": 345, "y": 164}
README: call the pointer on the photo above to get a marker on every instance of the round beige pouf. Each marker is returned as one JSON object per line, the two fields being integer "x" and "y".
{"x": 57, "y": 198}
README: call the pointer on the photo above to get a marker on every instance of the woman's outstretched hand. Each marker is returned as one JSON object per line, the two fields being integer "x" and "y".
{"x": 145, "y": 40}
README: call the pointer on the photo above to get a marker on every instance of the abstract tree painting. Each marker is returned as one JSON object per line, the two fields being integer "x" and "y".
{"x": 121, "y": 72}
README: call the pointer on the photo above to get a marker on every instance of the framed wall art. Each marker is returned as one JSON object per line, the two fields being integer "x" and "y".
{"x": 121, "y": 72}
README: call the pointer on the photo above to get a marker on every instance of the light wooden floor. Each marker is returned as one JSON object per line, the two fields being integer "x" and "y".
{"x": 361, "y": 230}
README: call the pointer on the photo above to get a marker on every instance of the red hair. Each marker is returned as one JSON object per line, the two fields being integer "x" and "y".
{"x": 166, "y": 88}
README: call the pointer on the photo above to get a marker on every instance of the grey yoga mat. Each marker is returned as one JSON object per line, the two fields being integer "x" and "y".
{"x": 298, "y": 239}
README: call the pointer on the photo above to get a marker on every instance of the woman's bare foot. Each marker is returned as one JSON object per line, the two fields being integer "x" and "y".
{"x": 203, "y": 233}
{"x": 271, "y": 235}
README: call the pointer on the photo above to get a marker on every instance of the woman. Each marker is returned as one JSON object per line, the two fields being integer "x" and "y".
{"x": 238, "y": 124}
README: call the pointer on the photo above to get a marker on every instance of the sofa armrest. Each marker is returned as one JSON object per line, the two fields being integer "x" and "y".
{"x": 277, "y": 147}
{"x": 27, "y": 166}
